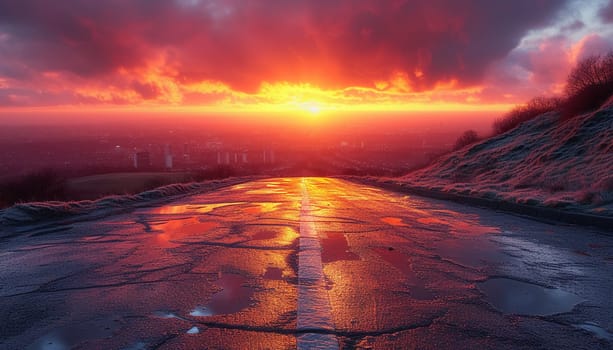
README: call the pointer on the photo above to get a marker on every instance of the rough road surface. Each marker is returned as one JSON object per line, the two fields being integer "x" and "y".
{"x": 306, "y": 263}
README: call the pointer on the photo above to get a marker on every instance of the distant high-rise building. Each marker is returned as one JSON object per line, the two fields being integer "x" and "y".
{"x": 186, "y": 153}
{"x": 142, "y": 160}
{"x": 268, "y": 156}
{"x": 167, "y": 157}
{"x": 223, "y": 157}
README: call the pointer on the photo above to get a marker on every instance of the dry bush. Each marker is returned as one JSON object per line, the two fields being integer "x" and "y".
{"x": 588, "y": 85}
{"x": 467, "y": 138}
{"x": 43, "y": 185}
{"x": 525, "y": 112}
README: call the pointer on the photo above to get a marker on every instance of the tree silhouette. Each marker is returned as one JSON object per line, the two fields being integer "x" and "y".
{"x": 589, "y": 84}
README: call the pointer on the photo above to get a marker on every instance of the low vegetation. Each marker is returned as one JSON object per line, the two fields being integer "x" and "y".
{"x": 467, "y": 138}
{"x": 588, "y": 86}
{"x": 561, "y": 160}
{"x": 51, "y": 185}
{"x": 43, "y": 185}
{"x": 525, "y": 112}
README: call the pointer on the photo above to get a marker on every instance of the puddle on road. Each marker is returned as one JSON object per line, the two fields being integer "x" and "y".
{"x": 262, "y": 207}
{"x": 279, "y": 235}
{"x": 432, "y": 221}
{"x": 475, "y": 252}
{"x": 267, "y": 191}
{"x": 70, "y": 337}
{"x": 335, "y": 248}
{"x": 137, "y": 346}
{"x": 475, "y": 229}
{"x": 273, "y": 273}
{"x": 521, "y": 298}
{"x": 193, "y": 330}
{"x": 233, "y": 297}
{"x": 458, "y": 224}
{"x": 192, "y": 208}
{"x": 596, "y": 330}
{"x": 394, "y": 221}
{"x": 176, "y": 229}
{"x": 187, "y": 226}
{"x": 264, "y": 235}
{"x": 167, "y": 314}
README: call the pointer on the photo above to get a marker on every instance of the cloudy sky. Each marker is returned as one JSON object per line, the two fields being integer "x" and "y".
{"x": 293, "y": 54}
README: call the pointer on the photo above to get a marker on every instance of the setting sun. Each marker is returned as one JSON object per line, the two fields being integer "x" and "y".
{"x": 312, "y": 107}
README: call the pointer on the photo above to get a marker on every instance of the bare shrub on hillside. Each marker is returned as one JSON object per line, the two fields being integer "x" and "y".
{"x": 588, "y": 85}
{"x": 525, "y": 112}
{"x": 467, "y": 138}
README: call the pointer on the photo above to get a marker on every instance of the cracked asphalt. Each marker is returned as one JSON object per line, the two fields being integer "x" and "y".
{"x": 306, "y": 263}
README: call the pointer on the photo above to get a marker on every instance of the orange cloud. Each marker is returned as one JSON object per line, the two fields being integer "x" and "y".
{"x": 324, "y": 55}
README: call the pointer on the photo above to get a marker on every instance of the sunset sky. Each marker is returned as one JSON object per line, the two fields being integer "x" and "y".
{"x": 292, "y": 55}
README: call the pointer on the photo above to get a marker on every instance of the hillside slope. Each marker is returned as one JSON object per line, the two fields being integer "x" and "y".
{"x": 566, "y": 164}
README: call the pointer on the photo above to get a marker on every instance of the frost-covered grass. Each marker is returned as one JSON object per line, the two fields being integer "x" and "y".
{"x": 547, "y": 161}
{"x": 27, "y": 213}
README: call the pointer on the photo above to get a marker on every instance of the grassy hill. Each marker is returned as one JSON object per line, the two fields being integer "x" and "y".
{"x": 548, "y": 161}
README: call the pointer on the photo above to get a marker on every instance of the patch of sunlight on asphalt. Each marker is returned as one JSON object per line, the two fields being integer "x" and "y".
{"x": 394, "y": 221}
{"x": 192, "y": 208}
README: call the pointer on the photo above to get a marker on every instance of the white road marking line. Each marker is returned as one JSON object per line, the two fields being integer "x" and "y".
{"x": 314, "y": 311}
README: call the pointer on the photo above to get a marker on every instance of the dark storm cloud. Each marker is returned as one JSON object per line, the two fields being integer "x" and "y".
{"x": 332, "y": 44}
{"x": 607, "y": 12}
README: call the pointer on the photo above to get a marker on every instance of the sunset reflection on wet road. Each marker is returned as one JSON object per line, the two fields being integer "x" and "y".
{"x": 307, "y": 263}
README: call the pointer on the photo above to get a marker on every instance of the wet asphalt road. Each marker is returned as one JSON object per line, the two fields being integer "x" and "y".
{"x": 307, "y": 263}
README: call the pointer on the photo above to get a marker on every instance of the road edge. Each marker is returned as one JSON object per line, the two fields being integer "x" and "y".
{"x": 550, "y": 215}
{"x": 37, "y": 213}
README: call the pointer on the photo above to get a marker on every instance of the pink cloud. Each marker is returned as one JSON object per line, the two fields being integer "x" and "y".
{"x": 150, "y": 50}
